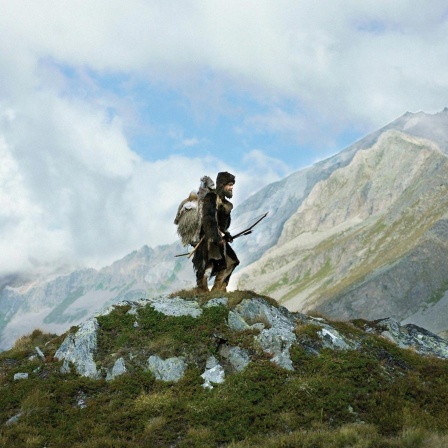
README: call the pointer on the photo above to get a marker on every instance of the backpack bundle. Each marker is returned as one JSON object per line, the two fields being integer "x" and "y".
{"x": 189, "y": 213}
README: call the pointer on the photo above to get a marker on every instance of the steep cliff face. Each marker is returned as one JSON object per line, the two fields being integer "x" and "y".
{"x": 369, "y": 241}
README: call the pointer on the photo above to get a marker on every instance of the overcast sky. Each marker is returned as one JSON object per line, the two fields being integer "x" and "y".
{"x": 111, "y": 110}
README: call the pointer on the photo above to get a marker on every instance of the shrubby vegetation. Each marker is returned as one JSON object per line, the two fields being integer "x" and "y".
{"x": 377, "y": 396}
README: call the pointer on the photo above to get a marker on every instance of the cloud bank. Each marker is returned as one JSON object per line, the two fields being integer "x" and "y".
{"x": 76, "y": 187}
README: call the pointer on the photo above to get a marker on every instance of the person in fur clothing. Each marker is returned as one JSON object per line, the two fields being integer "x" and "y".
{"x": 215, "y": 256}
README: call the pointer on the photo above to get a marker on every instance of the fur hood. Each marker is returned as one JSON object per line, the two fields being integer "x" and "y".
{"x": 222, "y": 180}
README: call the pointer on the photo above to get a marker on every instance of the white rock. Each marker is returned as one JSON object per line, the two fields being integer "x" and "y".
{"x": 79, "y": 349}
{"x": 118, "y": 369}
{"x": 176, "y": 306}
{"x": 239, "y": 358}
{"x": 171, "y": 369}
{"x": 219, "y": 301}
{"x": 20, "y": 376}
{"x": 214, "y": 375}
{"x": 40, "y": 353}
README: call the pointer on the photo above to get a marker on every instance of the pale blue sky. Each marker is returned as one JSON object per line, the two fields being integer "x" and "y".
{"x": 111, "y": 111}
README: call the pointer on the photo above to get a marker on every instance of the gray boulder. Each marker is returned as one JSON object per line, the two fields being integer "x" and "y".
{"x": 20, "y": 376}
{"x": 238, "y": 358}
{"x": 118, "y": 369}
{"x": 176, "y": 306}
{"x": 79, "y": 348}
{"x": 412, "y": 336}
{"x": 277, "y": 328}
{"x": 171, "y": 369}
{"x": 214, "y": 373}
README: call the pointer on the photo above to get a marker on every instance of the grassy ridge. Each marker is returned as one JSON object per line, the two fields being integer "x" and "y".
{"x": 376, "y": 396}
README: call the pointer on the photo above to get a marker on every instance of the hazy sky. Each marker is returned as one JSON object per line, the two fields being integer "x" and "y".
{"x": 111, "y": 110}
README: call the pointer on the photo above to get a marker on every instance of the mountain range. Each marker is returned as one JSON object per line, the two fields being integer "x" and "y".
{"x": 363, "y": 234}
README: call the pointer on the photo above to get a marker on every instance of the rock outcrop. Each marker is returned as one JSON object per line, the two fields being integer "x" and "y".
{"x": 262, "y": 327}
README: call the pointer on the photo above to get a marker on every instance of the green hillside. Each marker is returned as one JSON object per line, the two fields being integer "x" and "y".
{"x": 372, "y": 394}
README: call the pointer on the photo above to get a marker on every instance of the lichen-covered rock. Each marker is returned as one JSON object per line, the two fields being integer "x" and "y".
{"x": 118, "y": 369}
{"x": 331, "y": 338}
{"x": 14, "y": 420}
{"x": 269, "y": 328}
{"x": 236, "y": 322}
{"x": 40, "y": 353}
{"x": 214, "y": 373}
{"x": 411, "y": 336}
{"x": 275, "y": 340}
{"x": 79, "y": 348}
{"x": 176, "y": 306}
{"x": 238, "y": 358}
{"x": 220, "y": 301}
{"x": 171, "y": 369}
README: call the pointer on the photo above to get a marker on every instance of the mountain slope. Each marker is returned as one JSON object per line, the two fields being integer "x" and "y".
{"x": 370, "y": 240}
{"x": 283, "y": 198}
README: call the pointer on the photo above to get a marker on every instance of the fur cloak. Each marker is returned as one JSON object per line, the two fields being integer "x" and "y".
{"x": 216, "y": 210}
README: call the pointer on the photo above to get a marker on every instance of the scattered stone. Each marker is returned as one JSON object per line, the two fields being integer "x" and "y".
{"x": 81, "y": 400}
{"x": 275, "y": 340}
{"x": 40, "y": 353}
{"x": 118, "y": 369}
{"x": 236, "y": 322}
{"x": 171, "y": 369}
{"x": 13, "y": 420}
{"x": 20, "y": 376}
{"x": 333, "y": 339}
{"x": 412, "y": 336}
{"x": 65, "y": 368}
{"x": 214, "y": 373}
{"x": 221, "y": 301}
{"x": 275, "y": 334}
{"x": 211, "y": 362}
{"x": 238, "y": 358}
{"x": 176, "y": 306}
{"x": 79, "y": 349}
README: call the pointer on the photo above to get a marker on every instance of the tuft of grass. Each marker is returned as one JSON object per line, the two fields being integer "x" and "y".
{"x": 234, "y": 297}
{"x": 30, "y": 341}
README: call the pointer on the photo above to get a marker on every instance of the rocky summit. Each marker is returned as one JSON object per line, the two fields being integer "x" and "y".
{"x": 234, "y": 369}
{"x": 272, "y": 330}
